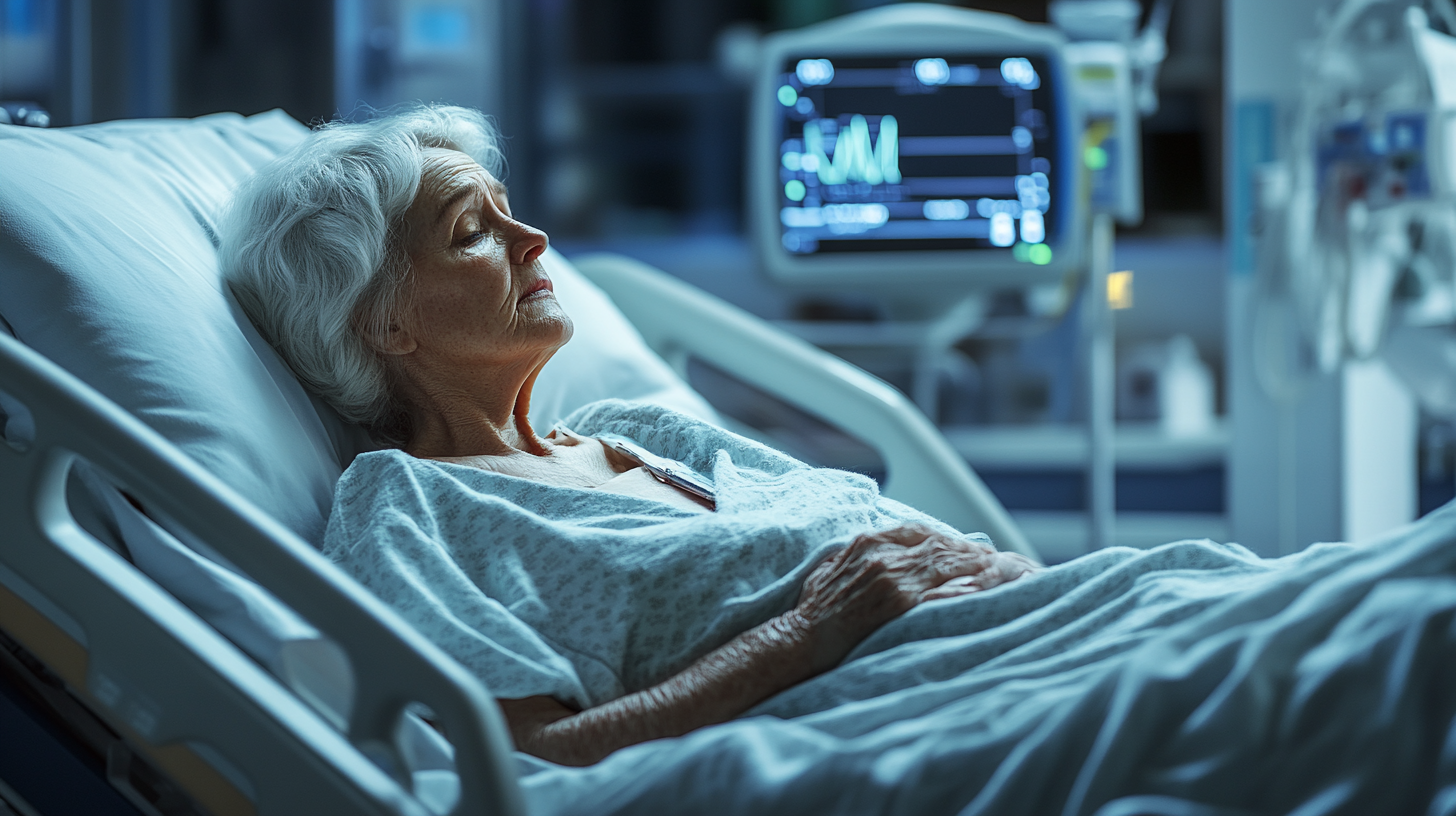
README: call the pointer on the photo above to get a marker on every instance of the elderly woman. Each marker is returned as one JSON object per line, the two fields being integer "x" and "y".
{"x": 602, "y": 605}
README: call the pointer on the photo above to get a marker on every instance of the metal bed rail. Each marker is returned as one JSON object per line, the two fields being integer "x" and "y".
{"x": 183, "y": 696}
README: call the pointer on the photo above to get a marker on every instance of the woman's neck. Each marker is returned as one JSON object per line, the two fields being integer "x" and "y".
{"x": 486, "y": 419}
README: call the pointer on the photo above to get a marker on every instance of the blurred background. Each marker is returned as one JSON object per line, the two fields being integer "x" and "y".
{"x": 625, "y": 124}
{"x": 624, "y": 117}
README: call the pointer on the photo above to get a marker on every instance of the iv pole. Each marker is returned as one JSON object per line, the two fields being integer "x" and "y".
{"x": 1097, "y": 336}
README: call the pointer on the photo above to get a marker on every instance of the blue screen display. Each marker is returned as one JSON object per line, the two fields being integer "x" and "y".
{"x": 917, "y": 153}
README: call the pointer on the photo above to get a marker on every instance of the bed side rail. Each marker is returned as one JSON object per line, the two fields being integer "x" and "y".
{"x": 164, "y": 679}
{"x": 680, "y": 321}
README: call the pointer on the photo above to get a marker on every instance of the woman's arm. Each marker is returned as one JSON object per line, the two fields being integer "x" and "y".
{"x": 728, "y": 681}
{"x": 877, "y": 578}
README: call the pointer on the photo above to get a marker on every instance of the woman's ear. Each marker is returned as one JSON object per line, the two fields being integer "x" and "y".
{"x": 392, "y": 338}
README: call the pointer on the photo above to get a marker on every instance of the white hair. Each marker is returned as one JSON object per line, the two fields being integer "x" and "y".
{"x": 313, "y": 247}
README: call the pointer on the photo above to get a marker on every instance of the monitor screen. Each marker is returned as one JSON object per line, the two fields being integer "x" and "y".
{"x": 917, "y": 153}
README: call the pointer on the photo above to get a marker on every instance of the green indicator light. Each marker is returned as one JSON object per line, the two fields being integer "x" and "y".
{"x": 1095, "y": 157}
{"x": 794, "y": 189}
{"x": 1021, "y": 252}
{"x": 788, "y": 96}
{"x": 1040, "y": 254}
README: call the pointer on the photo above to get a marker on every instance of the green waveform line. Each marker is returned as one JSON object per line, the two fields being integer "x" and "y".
{"x": 854, "y": 158}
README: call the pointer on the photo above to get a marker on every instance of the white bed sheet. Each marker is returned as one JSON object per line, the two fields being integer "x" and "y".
{"x": 1191, "y": 679}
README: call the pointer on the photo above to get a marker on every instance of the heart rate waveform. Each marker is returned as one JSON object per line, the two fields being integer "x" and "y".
{"x": 855, "y": 158}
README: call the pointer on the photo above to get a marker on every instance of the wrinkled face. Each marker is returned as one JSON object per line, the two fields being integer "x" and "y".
{"x": 477, "y": 295}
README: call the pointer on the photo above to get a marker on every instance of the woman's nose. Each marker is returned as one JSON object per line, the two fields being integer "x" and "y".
{"x": 527, "y": 244}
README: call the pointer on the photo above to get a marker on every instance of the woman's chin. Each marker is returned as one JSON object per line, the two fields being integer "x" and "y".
{"x": 555, "y": 322}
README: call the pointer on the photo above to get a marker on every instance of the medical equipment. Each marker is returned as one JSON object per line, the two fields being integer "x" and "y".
{"x": 665, "y": 470}
{"x": 916, "y": 151}
{"x": 1114, "y": 69}
{"x": 1116, "y": 21}
{"x": 1358, "y": 256}
{"x": 304, "y": 703}
{"x": 930, "y": 155}
{"x": 388, "y": 52}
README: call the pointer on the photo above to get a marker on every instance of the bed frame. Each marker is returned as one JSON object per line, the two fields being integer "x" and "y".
{"x": 181, "y": 697}
{"x": 167, "y": 696}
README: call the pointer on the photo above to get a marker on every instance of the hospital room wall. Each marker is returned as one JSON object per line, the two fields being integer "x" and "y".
{"x": 96, "y": 60}
{"x": 1337, "y": 460}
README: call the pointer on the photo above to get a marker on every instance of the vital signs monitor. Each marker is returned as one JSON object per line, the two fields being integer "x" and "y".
{"x": 916, "y": 145}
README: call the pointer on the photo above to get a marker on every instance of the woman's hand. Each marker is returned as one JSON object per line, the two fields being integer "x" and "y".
{"x": 880, "y": 576}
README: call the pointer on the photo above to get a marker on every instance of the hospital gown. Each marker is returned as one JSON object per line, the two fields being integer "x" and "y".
{"x": 585, "y": 595}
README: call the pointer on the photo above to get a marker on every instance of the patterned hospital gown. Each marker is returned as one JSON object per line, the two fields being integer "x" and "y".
{"x": 585, "y": 595}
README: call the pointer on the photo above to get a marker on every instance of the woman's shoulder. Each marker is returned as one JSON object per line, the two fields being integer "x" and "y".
{"x": 376, "y": 483}
{"x": 387, "y": 488}
{"x": 373, "y": 471}
{"x": 371, "y": 463}
{"x": 384, "y": 477}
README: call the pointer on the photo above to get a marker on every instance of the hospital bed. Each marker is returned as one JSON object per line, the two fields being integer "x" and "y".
{"x": 160, "y": 467}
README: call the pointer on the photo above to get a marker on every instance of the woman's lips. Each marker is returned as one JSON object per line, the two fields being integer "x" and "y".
{"x": 542, "y": 285}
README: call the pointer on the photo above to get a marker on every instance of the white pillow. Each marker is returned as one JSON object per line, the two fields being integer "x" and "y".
{"x": 110, "y": 269}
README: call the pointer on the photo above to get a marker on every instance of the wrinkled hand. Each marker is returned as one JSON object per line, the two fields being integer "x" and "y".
{"x": 880, "y": 576}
